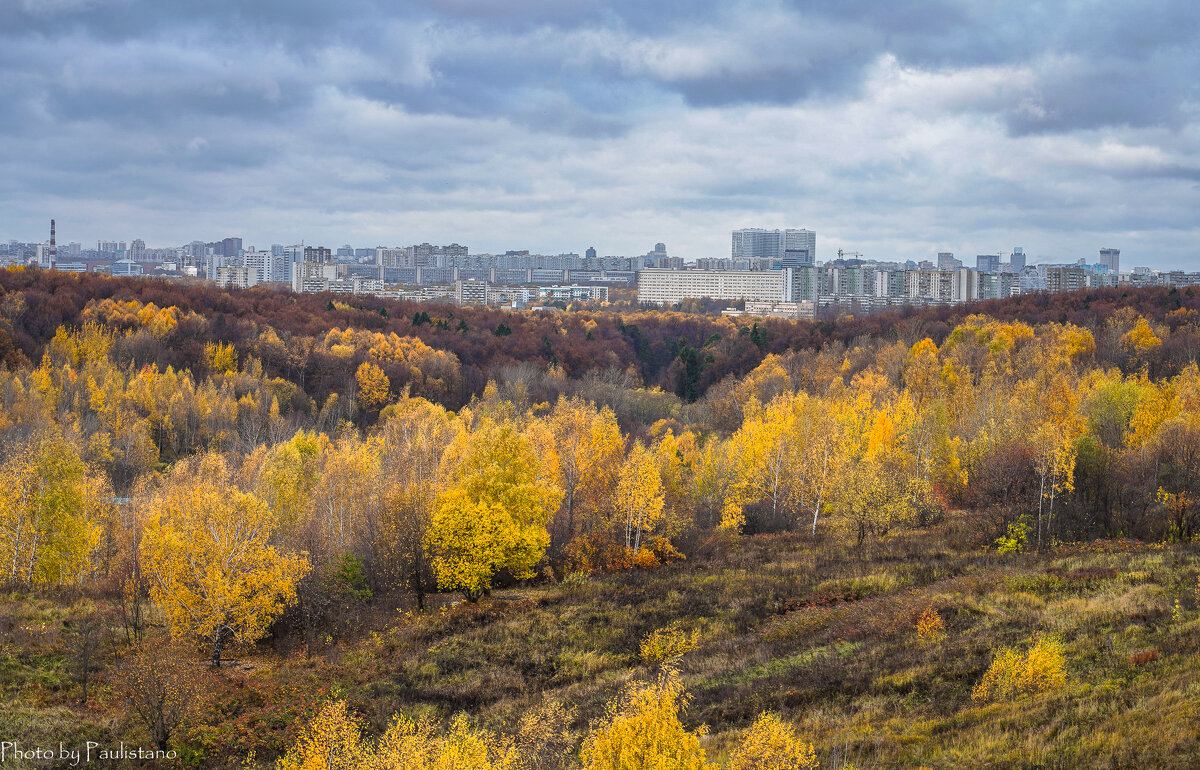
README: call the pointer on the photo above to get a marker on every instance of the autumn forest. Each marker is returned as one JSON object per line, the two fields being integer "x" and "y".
{"x": 258, "y": 529}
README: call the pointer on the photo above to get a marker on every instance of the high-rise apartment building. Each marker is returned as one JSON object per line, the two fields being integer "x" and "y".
{"x": 987, "y": 263}
{"x": 1066, "y": 278}
{"x": 789, "y": 248}
{"x": 1112, "y": 259}
{"x": 317, "y": 254}
{"x": 947, "y": 261}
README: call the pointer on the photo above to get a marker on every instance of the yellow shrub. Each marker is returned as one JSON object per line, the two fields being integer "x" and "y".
{"x": 930, "y": 627}
{"x": 644, "y": 558}
{"x": 772, "y": 745}
{"x": 331, "y": 741}
{"x": 644, "y": 732}
{"x": 1012, "y": 674}
{"x": 668, "y": 643}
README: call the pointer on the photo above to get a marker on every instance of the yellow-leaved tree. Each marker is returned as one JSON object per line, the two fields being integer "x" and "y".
{"x": 878, "y": 487}
{"x": 415, "y": 435}
{"x": 639, "y": 496}
{"x": 585, "y": 449}
{"x": 373, "y": 387}
{"x": 50, "y": 506}
{"x": 494, "y": 514}
{"x": 207, "y": 550}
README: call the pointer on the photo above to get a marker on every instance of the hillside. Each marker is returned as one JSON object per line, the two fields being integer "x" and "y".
{"x": 252, "y": 528}
{"x": 820, "y": 635}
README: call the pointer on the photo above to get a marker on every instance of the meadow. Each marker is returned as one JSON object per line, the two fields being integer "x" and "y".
{"x": 822, "y": 635}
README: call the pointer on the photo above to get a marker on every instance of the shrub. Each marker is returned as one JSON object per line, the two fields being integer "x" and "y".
{"x": 930, "y": 627}
{"x": 669, "y": 643}
{"x": 1011, "y": 674}
{"x": 644, "y": 558}
{"x": 1143, "y": 657}
{"x": 644, "y": 732}
{"x": 544, "y": 736}
{"x": 333, "y": 741}
{"x": 158, "y": 691}
{"x": 770, "y": 744}
{"x": 1013, "y": 541}
{"x": 663, "y": 550}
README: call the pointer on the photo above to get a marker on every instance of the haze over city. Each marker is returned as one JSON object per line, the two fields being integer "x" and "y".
{"x": 897, "y": 132}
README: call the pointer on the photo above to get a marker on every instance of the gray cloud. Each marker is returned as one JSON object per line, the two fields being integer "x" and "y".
{"x": 898, "y": 128}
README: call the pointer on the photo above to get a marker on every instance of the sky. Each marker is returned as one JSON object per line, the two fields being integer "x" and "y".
{"x": 893, "y": 129}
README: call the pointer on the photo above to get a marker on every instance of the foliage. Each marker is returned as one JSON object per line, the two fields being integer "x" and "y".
{"x": 663, "y": 645}
{"x": 770, "y": 744}
{"x": 1014, "y": 540}
{"x": 222, "y": 357}
{"x": 643, "y": 731}
{"x": 1011, "y": 675}
{"x": 51, "y": 505}
{"x": 494, "y": 515}
{"x": 333, "y": 740}
{"x": 930, "y": 626}
{"x": 638, "y": 497}
{"x": 207, "y": 547}
{"x": 373, "y": 386}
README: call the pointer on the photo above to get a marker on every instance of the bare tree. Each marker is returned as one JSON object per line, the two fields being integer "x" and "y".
{"x": 159, "y": 691}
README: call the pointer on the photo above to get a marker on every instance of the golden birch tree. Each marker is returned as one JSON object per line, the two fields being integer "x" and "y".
{"x": 208, "y": 553}
{"x": 494, "y": 514}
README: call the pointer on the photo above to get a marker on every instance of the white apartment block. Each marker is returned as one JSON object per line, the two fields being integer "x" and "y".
{"x": 572, "y": 293}
{"x": 305, "y": 272}
{"x": 236, "y": 277}
{"x": 665, "y": 287}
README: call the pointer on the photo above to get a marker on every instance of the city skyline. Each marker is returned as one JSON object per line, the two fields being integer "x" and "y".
{"x": 898, "y": 132}
{"x": 110, "y": 244}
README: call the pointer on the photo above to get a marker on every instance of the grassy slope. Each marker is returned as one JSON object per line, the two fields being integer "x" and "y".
{"x": 817, "y": 633}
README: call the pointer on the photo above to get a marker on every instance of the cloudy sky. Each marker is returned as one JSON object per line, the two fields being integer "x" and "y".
{"x": 896, "y": 129}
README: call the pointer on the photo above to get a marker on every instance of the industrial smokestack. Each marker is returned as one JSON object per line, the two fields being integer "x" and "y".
{"x": 51, "y": 233}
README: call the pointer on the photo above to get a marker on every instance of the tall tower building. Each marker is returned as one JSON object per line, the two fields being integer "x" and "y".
{"x": 799, "y": 248}
{"x": 987, "y": 263}
{"x": 1017, "y": 259}
{"x": 947, "y": 261}
{"x": 789, "y": 248}
{"x": 1111, "y": 258}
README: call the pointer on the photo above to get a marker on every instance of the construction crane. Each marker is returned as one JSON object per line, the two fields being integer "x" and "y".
{"x": 845, "y": 254}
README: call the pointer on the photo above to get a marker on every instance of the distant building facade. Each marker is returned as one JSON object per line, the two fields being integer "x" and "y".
{"x": 789, "y": 248}
{"x": 665, "y": 287}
